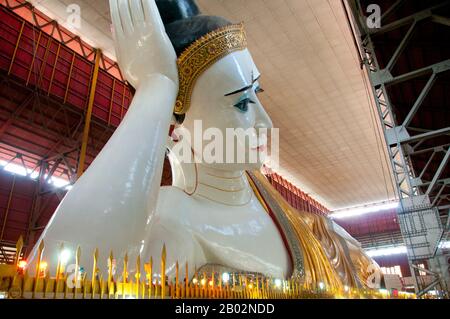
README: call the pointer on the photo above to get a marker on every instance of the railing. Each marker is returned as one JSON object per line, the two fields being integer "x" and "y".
{"x": 7, "y": 252}
{"x": 16, "y": 283}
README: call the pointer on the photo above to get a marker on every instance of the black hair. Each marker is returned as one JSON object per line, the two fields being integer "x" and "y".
{"x": 183, "y": 33}
{"x": 184, "y": 24}
{"x": 173, "y": 10}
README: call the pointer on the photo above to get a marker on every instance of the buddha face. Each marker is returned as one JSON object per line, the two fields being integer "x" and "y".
{"x": 225, "y": 99}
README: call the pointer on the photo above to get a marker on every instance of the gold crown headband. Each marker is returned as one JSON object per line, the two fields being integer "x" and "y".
{"x": 202, "y": 54}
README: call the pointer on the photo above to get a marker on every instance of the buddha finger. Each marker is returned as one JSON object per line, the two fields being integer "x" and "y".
{"x": 115, "y": 17}
{"x": 152, "y": 15}
{"x": 125, "y": 17}
{"x": 137, "y": 12}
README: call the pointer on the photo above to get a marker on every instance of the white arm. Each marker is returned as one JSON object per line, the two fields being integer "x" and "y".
{"x": 110, "y": 206}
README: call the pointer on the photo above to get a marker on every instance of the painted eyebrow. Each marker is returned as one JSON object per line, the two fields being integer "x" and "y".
{"x": 244, "y": 88}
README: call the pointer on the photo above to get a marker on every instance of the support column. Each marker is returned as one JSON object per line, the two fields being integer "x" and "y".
{"x": 5, "y": 218}
{"x": 418, "y": 214}
{"x": 87, "y": 122}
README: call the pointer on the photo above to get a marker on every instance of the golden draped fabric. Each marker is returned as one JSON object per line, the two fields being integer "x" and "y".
{"x": 327, "y": 257}
{"x": 333, "y": 247}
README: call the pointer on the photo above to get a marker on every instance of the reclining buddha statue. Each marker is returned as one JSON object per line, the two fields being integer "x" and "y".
{"x": 187, "y": 67}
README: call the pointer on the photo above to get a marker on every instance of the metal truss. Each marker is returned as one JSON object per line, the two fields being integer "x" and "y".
{"x": 61, "y": 34}
{"x": 372, "y": 241}
{"x": 421, "y": 199}
{"x": 43, "y": 193}
{"x": 33, "y": 113}
{"x": 38, "y": 114}
{"x": 42, "y": 133}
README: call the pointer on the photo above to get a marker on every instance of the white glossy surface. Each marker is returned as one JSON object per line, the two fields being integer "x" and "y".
{"x": 222, "y": 222}
{"x": 112, "y": 206}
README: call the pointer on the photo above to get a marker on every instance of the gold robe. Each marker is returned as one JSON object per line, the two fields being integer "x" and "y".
{"x": 318, "y": 253}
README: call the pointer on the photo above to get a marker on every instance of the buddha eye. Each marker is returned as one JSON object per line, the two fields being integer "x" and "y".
{"x": 258, "y": 89}
{"x": 242, "y": 105}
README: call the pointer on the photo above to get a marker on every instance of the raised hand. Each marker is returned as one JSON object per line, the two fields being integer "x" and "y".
{"x": 142, "y": 45}
{"x": 113, "y": 209}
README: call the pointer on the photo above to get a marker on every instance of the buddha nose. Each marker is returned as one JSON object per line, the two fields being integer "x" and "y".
{"x": 262, "y": 119}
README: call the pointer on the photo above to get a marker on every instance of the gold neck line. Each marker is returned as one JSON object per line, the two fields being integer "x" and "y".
{"x": 223, "y": 190}
{"x": 226, "y": 204}
{"x": 221, "y": 177}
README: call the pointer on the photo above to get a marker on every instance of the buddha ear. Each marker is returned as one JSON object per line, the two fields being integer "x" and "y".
{"x": 184, "y": 173}
{"x": 152, "y": 14}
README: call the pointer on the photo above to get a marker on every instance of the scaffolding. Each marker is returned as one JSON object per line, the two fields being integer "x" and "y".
{"x": 423, "y": 185}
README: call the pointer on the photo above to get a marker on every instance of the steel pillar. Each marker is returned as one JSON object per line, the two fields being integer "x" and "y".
{"x": 87, "y": 122}
{"x": 420, "y": 199}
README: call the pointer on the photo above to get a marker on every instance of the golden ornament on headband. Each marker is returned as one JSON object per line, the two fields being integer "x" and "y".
{"x": 202, "y": 54}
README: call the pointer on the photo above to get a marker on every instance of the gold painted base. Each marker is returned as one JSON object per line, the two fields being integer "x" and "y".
{"x": 15, "y": 283}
